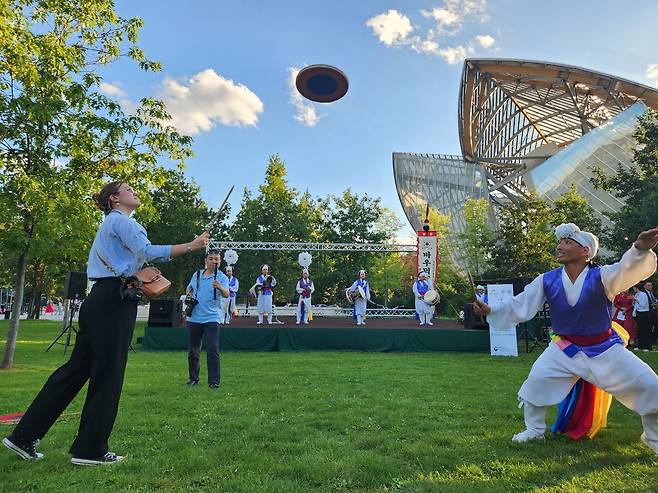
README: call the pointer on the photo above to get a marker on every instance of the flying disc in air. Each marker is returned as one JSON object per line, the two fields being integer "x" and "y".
{"x": 321, "y": 83}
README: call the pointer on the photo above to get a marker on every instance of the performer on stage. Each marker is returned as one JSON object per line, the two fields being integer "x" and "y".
{"x": 360, "y": 303}
{"x": 229, "y": 303}
{"x": 265, "y": 282}
{"x": 424, "y": 310}
{"x": 481, "y": 294}
{"x": 579, "y": 295}
{"x": 207, "y": 286}
{"x": 106, "y": 321}
{"x": 305, "y": 288}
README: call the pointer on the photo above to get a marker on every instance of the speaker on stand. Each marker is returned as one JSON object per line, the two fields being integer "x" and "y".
{"x": 75, "y": 290}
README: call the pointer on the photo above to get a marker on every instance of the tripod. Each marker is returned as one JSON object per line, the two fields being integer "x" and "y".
{"x": 540, "y": 337}
{"x": 66, "y": 330}
{"x": 73, "y": 307}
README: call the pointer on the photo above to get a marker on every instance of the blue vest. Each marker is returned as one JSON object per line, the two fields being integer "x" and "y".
{"x": 590, "y": 315}
{"x": 422, "y": 287}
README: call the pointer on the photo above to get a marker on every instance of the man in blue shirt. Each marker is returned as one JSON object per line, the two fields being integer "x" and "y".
{"x": 207, "y": 286}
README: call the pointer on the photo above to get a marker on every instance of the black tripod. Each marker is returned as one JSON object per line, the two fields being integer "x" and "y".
{"x": 68, "y": 329}
{"x": 541, "y": 336}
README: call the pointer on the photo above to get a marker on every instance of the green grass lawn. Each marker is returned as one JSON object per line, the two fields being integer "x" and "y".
{"x": 320, "y": 421}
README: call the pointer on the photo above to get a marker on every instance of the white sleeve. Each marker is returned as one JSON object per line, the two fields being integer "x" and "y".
{"x": 415, "y": 289}
{"x": 521, "y": 307}
{"x": 298, "y": 288}
{"x": 635, "y": 265}
{"x": 273, "y": 281}
{"x": 312, "y": 287}
{"x": 236, "y": 287}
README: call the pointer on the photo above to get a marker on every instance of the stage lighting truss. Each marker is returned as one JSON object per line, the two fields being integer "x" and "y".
{"x": 317, "y": 247}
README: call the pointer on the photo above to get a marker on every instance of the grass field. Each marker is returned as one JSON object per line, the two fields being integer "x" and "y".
{"x": 323, "y": 421}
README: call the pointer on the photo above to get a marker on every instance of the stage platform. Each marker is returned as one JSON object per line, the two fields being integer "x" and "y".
{"x": 329, "y": 334}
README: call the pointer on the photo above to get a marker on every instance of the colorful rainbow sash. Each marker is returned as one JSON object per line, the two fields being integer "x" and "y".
{"x": 584, "y": 411}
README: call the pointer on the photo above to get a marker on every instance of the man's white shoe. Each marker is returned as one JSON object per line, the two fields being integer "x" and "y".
{"x": 652, "y": 446}
{"x": 527, "y": 436}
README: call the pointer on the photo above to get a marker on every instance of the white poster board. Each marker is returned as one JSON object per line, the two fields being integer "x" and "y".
{"x": 502, "y": 339}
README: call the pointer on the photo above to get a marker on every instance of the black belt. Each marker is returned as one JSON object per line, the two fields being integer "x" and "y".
{"x": 105, "y": 279}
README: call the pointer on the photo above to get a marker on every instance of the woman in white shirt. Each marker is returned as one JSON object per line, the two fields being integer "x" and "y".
{"x": 642, "y": 311}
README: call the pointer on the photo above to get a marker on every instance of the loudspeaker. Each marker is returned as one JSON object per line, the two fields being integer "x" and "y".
{"x": 76, "y": 286}
{"x": 165, "y": 313}
{"x": 473, "y": 321}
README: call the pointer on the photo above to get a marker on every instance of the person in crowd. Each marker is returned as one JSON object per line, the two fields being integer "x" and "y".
{"x": 360, "y": 303}
{"x": 207, "y": 287}
{"x": 265, "y": 284}
{"x": 305, "y": 288}
{"x": 481, "y": 294}
{"x": 623, "y": 314}
{"x": 106, "y": 323}
{"x": 648, "y": 288}
{"x": 233, "y": 287}
{"x": 642, "y": 311}
{"x": 420, "y": 287}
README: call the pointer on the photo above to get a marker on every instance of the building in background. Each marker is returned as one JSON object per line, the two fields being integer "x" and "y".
{"x": 527, "y": 126}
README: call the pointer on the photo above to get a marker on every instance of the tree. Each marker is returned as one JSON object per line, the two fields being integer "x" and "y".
{"x": 181, "y": 214}
{"x": 572, "y": 207}
{"x": 60, "y": 138}
{"x": 637, "y": 187}
{"x": 277, "y": 213}
{"x": 477, "y": 240}
{"x": 526, "y": 241}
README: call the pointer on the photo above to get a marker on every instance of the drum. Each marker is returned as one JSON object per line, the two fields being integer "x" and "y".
{"x": 353, "y": 295}
{"x": 432, "y": 297}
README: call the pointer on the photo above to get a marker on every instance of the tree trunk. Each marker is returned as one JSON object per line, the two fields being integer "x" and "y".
{"x": 12, "y": 333}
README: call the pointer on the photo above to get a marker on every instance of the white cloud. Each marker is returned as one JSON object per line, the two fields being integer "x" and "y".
{"x": 455, "y": 54}
{"x": 391, "y": 28}
{"x": 395, "y": 29}
{"x": 485, "y": 40}
{"x": 305, "y": 112}
{"x": 451, "y": 16}
{"x": 652, "y": 73}
{"x": 112, "y": 90}
{"x": 206, "y": 98}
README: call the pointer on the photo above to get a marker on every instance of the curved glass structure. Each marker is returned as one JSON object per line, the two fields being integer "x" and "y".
{"x": 444, "y": 182}
{"x": 527, "y": 125}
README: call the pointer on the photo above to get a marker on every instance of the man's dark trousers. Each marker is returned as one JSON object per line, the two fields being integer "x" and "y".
{"x": 209, "y": 332}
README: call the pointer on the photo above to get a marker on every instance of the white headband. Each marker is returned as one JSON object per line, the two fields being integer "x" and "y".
{"x": 584, "y": 238}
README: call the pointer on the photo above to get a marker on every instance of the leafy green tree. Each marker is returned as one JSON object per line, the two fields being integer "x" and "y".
{"x": 60, "y": 138}
{"x": 478, "y": 238}
{"x": 572, "y": 207}
{"x": 637, "y": 187}
{"x": 526, "y": 244}
{"x": 277, "y": 213}
{"x": 182, "y": 213}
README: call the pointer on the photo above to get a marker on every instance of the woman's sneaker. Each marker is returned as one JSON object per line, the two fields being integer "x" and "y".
{"x": 25, "y": 451}
{"x": 109, "y": 458}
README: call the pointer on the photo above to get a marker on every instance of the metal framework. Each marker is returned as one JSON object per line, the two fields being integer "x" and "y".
{"x": 317, "y": 247}
{"x": 514, "y": 114}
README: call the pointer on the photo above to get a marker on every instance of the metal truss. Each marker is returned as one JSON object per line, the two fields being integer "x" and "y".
{"x": 307, "y": 247}
{"x": 334, "y": 311}
{"x": 508, "y": 109}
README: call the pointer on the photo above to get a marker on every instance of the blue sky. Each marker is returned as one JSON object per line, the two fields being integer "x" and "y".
{"x": 227, "y": 70}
